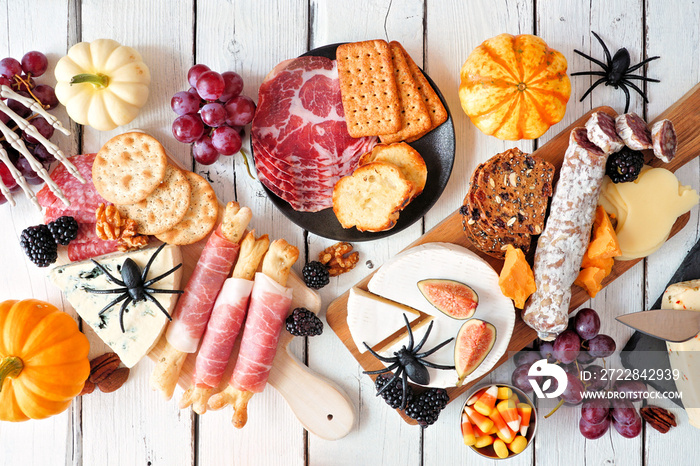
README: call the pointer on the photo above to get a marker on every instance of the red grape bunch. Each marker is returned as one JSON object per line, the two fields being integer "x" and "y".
{"x": 20, "y": 77}
{"x": 212, "y": 113}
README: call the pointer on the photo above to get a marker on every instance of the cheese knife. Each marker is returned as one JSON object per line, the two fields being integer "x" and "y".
{"x": 675, "y": 325}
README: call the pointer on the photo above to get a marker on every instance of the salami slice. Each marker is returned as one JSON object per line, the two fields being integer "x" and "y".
{"x": 600, "y": 129}
{"x": 564, "y": 240}
{"x": 634, "y": 131}
{"x": 89, "y": 249}
{"x": 664, "y": 140}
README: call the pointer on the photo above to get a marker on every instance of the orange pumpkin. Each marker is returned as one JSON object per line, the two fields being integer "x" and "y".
{"x": 43, "y": 360}
{"x": 514, "y": 87}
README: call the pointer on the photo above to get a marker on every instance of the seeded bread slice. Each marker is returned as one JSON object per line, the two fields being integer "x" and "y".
{"x": 405, "y": 157}
{"x": 513, "y": 192}
{"x": 371, "y": 198}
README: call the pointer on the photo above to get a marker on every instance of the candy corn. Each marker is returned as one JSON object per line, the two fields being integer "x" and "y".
{"x": 482, "y": 422}
{"x": 525, "y": 411}
{"x": 477, "y": 432}
{"x": 475, "y": 396}
{"x": 484, "y": 405}
{"x": 504, "y": 393}
{"x": 467, "y": 431}
{"x": 504, "y": 432}
{"x": 509, "y": 412}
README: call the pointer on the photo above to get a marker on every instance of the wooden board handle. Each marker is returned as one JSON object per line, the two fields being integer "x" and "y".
{"x": 322, "y": 407}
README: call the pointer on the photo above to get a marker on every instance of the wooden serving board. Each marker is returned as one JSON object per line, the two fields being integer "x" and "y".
{"x": 686, "y": 120}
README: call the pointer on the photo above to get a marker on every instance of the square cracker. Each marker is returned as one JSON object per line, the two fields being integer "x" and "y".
{"x": 368, "y": 88}
{"x": 415, "y": 118}
{"x": 437, "y": 111}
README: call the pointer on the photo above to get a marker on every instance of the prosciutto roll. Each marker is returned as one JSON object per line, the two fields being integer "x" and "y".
{"x": 222, "y": 330}
{"x": 269, "y": 306}
{"x": 195, "y": 305}
{"x": 565, "y": 238}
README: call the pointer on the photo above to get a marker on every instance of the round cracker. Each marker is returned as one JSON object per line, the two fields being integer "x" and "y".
{"x": 200, "y": 218}
{"x": 129, "y": 167}
{"x": 164, "y": 208}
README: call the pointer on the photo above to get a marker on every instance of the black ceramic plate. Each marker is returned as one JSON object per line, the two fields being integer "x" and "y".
{"x": 438, "y": 151}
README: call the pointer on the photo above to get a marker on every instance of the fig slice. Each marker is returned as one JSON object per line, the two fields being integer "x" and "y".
{"x": 475, "y": 340}
{"x": 450, "y": 297}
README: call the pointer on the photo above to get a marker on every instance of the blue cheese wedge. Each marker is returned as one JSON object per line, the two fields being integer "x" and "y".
{"x": 372, "y": 319}
{"x": 143, "y": 321}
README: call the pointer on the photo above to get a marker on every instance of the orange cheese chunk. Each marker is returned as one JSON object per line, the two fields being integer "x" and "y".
{"x": 590, "y": 279}
{"x": 516, "y": 280}
{"x": 604, "y": 244}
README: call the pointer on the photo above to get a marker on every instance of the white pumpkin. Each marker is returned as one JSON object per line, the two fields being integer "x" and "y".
{"x": 102, "y": 83}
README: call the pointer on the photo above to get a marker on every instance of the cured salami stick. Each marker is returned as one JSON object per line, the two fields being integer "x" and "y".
{"x": 269, "y": 307}
{"x": 224, "y": 324}
{"x": 664, "y": 140}
{"x": 194, "y": 307}
{"x": 566, "y": 234}
{"x": 601, "y": 131}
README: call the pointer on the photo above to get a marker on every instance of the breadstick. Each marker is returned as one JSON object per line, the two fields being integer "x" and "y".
{"x": 224, "y": 324}
{"x": 194, "y": 307}
{"x": 269, "y": 307}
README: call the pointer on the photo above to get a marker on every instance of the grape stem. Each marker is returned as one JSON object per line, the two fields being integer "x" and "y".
{"x": 561, "y": 402}
{"x": 245, "y": 161}
{"x": 98, "y": 80}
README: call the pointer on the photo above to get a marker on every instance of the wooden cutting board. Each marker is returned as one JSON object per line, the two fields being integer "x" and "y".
{"x": 686, "y": 120}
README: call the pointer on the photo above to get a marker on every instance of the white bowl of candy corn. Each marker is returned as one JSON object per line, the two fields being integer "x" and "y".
{"x": 498, "y": 421}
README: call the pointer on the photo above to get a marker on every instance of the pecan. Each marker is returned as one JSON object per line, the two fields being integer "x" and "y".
{"x": 338, "y": 258}
{"x": 102, "y": 366}
{"x": 88, "y": 388}
{"x": 659, "y": 418}
{"x": 114, "y": 380}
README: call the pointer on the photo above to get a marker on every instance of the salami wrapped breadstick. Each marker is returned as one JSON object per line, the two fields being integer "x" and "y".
{"x": 224, "y": 324}
{"x": 194, "y": 307}
{"x": 565, "y": 238}
{"x": 269, "y": 307}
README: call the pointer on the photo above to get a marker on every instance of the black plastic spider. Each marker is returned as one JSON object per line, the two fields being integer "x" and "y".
{"x": 409, "y": 362}
{"x": 616, "y": 72}
{"x": 135, "y": 288}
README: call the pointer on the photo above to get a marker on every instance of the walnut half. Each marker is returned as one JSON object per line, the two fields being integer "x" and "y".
{"x": 112, "y": 226}
{"x": 338, "y": 258}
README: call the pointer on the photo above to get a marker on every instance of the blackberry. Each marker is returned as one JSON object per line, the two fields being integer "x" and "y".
{"x": 304, "y": 323}
{"x": 624, "y": 166}
{"x": 64, "y": 229}
{"x": 39, "y": 245}
{"x": 316, "y": 275}
{"x": 393, "y": 395}
{"x": 425, "y": 408}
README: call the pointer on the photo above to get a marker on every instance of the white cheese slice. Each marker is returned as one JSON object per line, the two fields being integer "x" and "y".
{"x": 143, "y": 321}
{"x": 686, "y": 356}
{"x": 371, "y": 318}
{"x": 398, "y": 280}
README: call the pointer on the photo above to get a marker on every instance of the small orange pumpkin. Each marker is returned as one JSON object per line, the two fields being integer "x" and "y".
{"x": 514, "y": 87}
{"x": 43, "y": 360}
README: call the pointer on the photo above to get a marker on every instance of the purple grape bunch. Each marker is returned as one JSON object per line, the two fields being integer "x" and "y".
{"x": 212, "y": 113}
{"x": 20, "y": 76}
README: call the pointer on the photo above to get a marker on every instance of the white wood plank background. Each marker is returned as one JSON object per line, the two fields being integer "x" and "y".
{"x": 133, "y": 425}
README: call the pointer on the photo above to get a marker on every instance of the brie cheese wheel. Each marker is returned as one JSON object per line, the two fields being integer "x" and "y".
{"x": 371, "y": 318}
{"x": 143, "y": 321}
{"x": 398, "y": 280}
{"x": 686, "y": 356}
